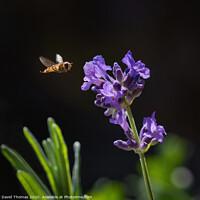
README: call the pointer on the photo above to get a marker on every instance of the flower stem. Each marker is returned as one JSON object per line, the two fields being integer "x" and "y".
{"x": 142, "y": 157}
{"x": 146, "y": 176}
{"x": 132, "y": 123}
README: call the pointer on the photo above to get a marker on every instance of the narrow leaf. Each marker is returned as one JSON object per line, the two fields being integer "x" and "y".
{"x": 49, "y": 153}
{"x": 55, "y": 146}
{"x": 53, "y": 165}
{"x": 19, "y": 163}
{"x": 42, "y": 158}
{"x": 76, "y": 170}
{"x": 50, "y": 122}
{"x": 30, "y": 185}
{"x": 64, "y": 162}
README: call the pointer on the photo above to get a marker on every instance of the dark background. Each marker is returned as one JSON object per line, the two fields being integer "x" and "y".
{"x": 163, "y": 34}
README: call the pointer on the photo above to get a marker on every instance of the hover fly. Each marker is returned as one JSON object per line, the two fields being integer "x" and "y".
{"x": 60, "y": 66}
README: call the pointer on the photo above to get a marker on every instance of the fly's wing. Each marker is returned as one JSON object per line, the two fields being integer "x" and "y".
{"x": 46, "y": 62}
{"x": 59, "y": 59}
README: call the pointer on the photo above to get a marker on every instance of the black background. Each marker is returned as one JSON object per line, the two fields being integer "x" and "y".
{"x": 163, "y": 34}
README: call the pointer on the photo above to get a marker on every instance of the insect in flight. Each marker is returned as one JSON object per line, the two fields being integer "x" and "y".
{"x": 60, "y": 66}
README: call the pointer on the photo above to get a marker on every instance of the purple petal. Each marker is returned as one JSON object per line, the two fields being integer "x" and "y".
{"x": 153, "y": 126}
{"x": 100, "y": 67}
{"x": 107, "y": 89}
{"x": 153, "y": 116}
{"x": 128, "y": 60}
{"x": 86, "y": 85}
{"x": 88, "y": 68}
{"x": 161, "y": 129}
{"x": 142, "y": 70}
{"x": 108, "y": 112}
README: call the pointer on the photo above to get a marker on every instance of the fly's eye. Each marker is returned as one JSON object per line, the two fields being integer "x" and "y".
{"x": 66, "y": 65}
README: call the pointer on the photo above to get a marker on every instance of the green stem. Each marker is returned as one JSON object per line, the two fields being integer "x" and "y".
{"x": 132, "y": 123}
{"x": 146, "y": 176}
{"x": 142, "y": 157}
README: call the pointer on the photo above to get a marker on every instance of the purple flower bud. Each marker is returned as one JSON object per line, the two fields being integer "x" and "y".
{"x": 99, "y": 96}
{"x": 122, "y": 145}
{"x": 127, "y": 80}
{"x": 132, "y": 86}
{"x": 129, "y": 134}
{"x": 129, "y": 99}
{"x": 97, "y": 102}
{"x": 137, "y": 92}
{"x": 133, "y": 144}
{"x": 119, "y": 75}
{"x": 117, "y": 72}
{"x": 117, "y": 86}
{"x": 96, "y": 88}
{"x": 103, "y": 99}
{"x": 126, "y": 145}
{"x": 143, "y": 145}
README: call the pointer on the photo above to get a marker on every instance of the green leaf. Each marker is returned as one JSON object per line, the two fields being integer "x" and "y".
{"x": 76, "y": 170}
{"x": 49, "y": 153}
{"x": 55, "y": 149}
{"x": 19, "y": 163}
{"x": 62, "y": 159}
{"x": 30, "y": 185}
{"x": 53, "y": 166}
{"x": 50, "y": 122}
{"x": 42, "y": 158}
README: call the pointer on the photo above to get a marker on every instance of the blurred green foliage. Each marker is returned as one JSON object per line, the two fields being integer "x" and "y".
{"x": 105, "y": 189}
{"x": 169, "y": 157}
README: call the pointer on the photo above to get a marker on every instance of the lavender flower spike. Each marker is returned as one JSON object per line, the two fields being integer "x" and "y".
{"x": 151, "y": 133}
{"x": 116, "y": 92}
